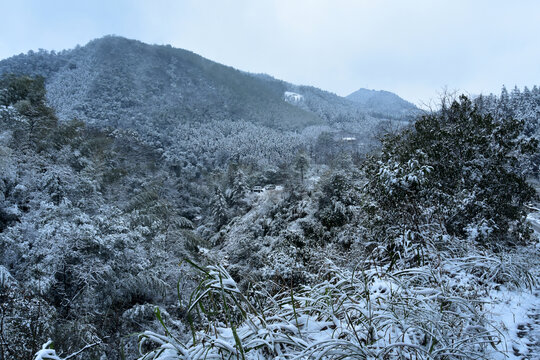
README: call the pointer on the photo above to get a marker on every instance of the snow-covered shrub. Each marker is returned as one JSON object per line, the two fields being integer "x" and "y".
{"x": 455, "y": 172}
{"x": 338, "y": 199}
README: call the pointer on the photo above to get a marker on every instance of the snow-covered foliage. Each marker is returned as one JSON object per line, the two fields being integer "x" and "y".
{"x": 368, "y": 313}
{"x": 522, "y": 105}
{"x": 456, "y": 172}
{"x": 308, "y": 247}
{"x": 88, "y": 223}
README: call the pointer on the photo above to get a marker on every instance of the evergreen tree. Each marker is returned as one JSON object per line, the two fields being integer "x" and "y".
{"x": 36, "y": 120}
{"x": 301, "y": 164}
{"x": 219, "y": 209}
{"x": 239, "y": 188}
{"x": 456, "y": 172}
{"x": 338, "y": 199}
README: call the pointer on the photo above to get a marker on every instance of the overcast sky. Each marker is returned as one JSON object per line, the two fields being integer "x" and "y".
{"x": 413, "y": 48}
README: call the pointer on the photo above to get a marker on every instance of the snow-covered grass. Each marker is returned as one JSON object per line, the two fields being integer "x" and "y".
{"x": 48, "y": 352}
{"x": 450, "y": 309}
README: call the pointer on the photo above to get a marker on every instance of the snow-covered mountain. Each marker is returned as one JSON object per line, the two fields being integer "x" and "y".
{"x": 114, "y": 81}
{"x": 383, "y": 102}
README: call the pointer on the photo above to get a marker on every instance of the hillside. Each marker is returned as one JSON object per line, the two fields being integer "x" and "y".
{"x": 382, "y": 102}
{"x": 119, "y": 82}
{"x": 197, "y": 211}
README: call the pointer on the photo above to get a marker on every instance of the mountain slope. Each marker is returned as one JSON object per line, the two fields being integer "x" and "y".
{"x": 119, "y": 82}
{"x": 383, "y": 102}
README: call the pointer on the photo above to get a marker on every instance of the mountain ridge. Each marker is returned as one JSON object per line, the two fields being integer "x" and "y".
{"x": 122, "y": 82}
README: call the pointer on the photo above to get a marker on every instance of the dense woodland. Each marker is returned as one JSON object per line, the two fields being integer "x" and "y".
{"x": 129, "y": 227}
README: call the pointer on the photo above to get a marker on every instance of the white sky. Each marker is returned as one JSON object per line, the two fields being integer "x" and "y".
{"x": 414, "y": 48}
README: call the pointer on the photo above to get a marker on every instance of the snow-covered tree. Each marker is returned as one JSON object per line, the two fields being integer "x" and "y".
{"x": 301, "y": 164}
{"x": 458, "y": 171}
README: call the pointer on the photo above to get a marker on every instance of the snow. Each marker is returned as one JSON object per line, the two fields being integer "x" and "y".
{"x": 47, "y": 354}
{"x": 382, "y": 289}
{"x": 515, "y": 314}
